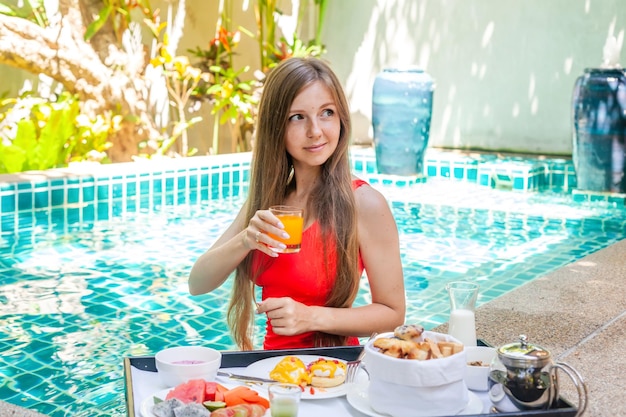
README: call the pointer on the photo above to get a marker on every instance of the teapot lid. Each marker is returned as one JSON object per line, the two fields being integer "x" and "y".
{"x": 523, "y": 354}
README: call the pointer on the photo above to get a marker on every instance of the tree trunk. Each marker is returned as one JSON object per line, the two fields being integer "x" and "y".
{"x": 105, "y": 76}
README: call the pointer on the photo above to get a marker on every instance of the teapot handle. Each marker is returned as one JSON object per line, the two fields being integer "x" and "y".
{"x": 580, "y": 385}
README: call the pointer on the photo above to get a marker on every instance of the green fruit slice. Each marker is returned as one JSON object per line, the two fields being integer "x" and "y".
{"x": 214, "y": 405}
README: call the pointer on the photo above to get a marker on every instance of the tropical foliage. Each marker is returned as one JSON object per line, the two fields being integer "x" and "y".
{"x": 109, "y": 77}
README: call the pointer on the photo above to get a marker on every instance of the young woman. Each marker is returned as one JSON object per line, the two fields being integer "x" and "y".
{"x": 300, "y": 159}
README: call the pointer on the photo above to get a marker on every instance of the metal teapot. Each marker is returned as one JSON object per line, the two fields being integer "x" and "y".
{"x": 523, "y": 377}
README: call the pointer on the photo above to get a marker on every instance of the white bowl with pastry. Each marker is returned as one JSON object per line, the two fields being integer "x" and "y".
{"x": 416, "y": 373}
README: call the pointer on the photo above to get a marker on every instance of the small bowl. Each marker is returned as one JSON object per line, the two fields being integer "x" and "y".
{"x": 476, "y": 376}
{"x": 180, "y": 364}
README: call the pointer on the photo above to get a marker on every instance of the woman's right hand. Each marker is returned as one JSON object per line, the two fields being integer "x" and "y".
{"x": 256, "y": 236}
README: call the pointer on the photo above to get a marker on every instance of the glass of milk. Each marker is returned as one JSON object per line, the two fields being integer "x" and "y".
{"x": 462, "y": 324}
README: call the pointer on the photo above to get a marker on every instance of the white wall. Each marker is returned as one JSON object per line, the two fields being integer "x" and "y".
{"x": 504, "y": 69}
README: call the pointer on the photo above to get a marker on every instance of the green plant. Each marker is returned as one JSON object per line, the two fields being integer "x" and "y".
{"x": 236, "y": 101}
{"x": 232, "y": 92}
{"x": 273, "y": 48}
{"x": 38, "y": 134}
{"x": 233, "y": 99}
{"x": 183, "y": 82}
{"x": 118, "y": 13}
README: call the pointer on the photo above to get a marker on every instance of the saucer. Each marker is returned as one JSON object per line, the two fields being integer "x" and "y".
{"x": 358, "y": 398}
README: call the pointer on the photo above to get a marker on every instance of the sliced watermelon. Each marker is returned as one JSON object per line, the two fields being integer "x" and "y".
{"x": 210, "y": 388}
{"x": 192, "y": 391}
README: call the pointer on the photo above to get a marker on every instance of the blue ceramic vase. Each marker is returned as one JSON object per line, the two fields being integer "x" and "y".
{"x": 402, "y": 102}
{"x": 599, "y": 130}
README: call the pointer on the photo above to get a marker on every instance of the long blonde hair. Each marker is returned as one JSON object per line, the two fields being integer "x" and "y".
{"x": 331, "y": 202}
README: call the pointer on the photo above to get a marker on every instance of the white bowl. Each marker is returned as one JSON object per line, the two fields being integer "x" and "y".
{"x": 476, "y": 376}
{"x": 412, "y": 388}
{"x": 180, "y": 364}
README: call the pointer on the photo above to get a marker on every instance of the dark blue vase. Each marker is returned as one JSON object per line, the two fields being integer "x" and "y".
{"x": 599, "y": 121}
{"x": 402, "y": 103}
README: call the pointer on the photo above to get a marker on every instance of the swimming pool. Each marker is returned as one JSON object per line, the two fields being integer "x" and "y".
{"x": 93, "y": 268}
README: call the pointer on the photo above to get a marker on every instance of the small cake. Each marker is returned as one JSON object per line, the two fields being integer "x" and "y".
{"x": 291, "y": 370}
{"x": 327, "y": 373}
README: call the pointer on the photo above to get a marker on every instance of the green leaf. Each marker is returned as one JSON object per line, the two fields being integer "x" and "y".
{"x": 6, "y": 10}
{"x": 26, "y": 140}
{"x": 11, "y": 159}
{"x": 58, "y": 130}
{"x": 97, "y": 24}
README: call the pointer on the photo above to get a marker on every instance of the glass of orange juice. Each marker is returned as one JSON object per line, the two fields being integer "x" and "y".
{"x": 293, "y": 220}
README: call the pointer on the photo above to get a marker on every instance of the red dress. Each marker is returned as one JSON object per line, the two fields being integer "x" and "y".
{"x": 306, "y": 276}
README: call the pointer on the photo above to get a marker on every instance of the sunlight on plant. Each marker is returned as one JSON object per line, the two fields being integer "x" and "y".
{"x": 38, "y": 134}
{"x": 183, "y": 82}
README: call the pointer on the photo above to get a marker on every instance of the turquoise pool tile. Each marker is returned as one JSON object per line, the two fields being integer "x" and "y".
{"x": 117, "y": 208}
{"x": 371, "y": 167}
{"x": 88, "y": 192}
{"x": 42, "y": 199}
{"x": 8, "y": 203}
{"x": 73, "y": 194}
{"x": 57, "y": 197}
{"x": 169, "y": 184}
{"x": 144, "y": 187}
{"x": 145, "y": 204}
{"x": 58, "y": 213}
{"x": 157, "y": 185}
{"x": 117, "y": 190}
{"x": 102, "y": 211}
{"x": 88, "y": 213}
{"x": 103, "y": 192}
{"x": 74, "y": 214}
{"x": 131, "y": 205}
{"x": 236, "y": 177}
{"x": 131, "y": 189}
{"x": 193, "y": 181}
{"x": 25, "y": 200}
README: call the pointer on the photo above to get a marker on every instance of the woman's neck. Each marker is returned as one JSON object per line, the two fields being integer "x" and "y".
{"x": 305, "y": 182}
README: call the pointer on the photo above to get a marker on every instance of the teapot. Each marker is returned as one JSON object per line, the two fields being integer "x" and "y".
{"x": 523, "y": 376}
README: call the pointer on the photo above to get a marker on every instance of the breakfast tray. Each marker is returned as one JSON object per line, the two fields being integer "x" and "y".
{"x": 233, "y": 359}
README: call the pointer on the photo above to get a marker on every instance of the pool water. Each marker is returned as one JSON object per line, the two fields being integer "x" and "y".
{"x": 80, "y": 289}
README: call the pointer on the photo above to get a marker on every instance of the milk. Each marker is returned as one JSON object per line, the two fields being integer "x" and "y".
{"x": 462, "y": 326}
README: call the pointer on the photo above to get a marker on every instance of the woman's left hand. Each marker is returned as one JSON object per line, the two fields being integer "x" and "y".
{"x": 285, "y": 315}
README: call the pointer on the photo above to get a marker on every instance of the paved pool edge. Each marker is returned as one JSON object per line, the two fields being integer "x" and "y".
{"x": 578, "y": 312}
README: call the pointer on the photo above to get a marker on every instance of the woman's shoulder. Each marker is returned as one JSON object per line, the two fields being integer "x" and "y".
{"x": 368, "y": 199}
{"x": 358, "y": 182}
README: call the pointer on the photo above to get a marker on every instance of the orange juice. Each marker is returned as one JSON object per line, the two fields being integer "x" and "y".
{"x": 293, "y": 220}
